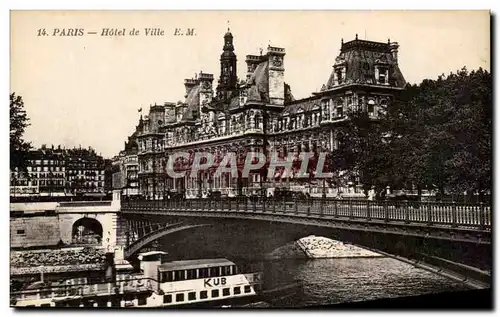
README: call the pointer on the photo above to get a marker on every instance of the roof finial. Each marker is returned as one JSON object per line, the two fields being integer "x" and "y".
{"x": 269, "y": 43}
{"x": 342, "y": 41}
{"x": 389, "y": 41}
{"x": 228, "y": 25}
{"x": 356, "y": 36}
{"x": 260, "y": 49}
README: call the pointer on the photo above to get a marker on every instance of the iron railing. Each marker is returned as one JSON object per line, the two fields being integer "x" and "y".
{"x": 475, "y": 216}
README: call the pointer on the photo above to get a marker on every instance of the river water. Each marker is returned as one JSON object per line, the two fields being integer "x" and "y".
{"x": 333, "y": 281}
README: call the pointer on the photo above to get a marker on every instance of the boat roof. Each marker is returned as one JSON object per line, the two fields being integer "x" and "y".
{"x": 194, "y": 264}
{"x": 150, "y": 253}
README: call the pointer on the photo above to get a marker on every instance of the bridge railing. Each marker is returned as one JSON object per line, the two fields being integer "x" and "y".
{"x": 428, "y": 213}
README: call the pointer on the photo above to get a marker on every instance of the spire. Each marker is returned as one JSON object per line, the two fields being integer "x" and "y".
{"x": 356, "y": 36}
{"x": 228, "y": 77}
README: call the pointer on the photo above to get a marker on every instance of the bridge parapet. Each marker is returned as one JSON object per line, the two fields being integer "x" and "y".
{"x": 428, "y": 214}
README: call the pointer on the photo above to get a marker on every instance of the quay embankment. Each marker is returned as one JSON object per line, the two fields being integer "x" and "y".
{"x": 52, "y": 264}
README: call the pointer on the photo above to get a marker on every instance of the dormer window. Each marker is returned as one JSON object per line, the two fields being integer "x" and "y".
{"x": 382, "y": 75}
{"x": 340, "y": 108}
{"x": 339, "y": 76}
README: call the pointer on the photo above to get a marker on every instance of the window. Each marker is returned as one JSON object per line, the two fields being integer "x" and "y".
{"x": 237, "y": 290}
{"x": 203, "y": 294}
{"x": 179, "y": 297}
{"x": 225, "y": 292}
{"x": 381, "y": 75}
{"x": 371, "y": 105}
{"x": 215, "y": 293}
{"x": 20, "y": 231}
{"x": 179, "y": 275}
{"x": 339, "y": 76}
{"x": 340, "y": 111}
{"x": 203, "y": 273}
{"x": 167, "y": 299}
{"x": 192, "y": 296}
{"x": 248, "y": 289}
{"x": 214, "y": 272}
{"x": 226, "y": 270}
{"x": 191, "y": 274}
{"x": 45, "y": 305}
{"x": 141, "y": 301}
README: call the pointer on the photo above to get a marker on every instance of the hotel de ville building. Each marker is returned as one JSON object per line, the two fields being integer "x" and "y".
{"x": 259, "y": 113}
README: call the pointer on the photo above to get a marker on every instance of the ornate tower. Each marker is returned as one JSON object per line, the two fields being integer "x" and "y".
{"x": 228, "y": 77}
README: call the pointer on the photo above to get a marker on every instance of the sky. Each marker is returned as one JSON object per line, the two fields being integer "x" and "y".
{"x": 86, "y": 90}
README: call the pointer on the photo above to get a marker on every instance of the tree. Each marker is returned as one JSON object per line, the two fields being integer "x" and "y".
{"x": 444, "y": 130}
{"x": 435, "y": 135}
{"x": 471, "y": 127}
{"x": 364, "y": 150}
{"x": 19, "y": 121}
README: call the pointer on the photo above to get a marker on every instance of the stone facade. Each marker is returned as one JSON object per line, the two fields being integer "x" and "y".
{"x": 259, "y": 114}
{"x": 47, "y": 224}
{"x": 60, "y": 172}
{"x": 37, "y": 231}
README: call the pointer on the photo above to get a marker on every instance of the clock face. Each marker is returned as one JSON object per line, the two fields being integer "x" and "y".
{"x": 277, "y": 62}
{"x": 206, "y": 85}
{"x": 170, "y": 113}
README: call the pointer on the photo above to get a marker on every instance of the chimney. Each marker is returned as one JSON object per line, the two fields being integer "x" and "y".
{"x": 189, "y": 84}
{"x": 276, "y": 79}
{"x": 252, "y": 62}
{"x": 394, "y": 46}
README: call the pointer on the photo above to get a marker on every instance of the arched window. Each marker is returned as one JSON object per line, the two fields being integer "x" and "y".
{"x": 371, "y": 105}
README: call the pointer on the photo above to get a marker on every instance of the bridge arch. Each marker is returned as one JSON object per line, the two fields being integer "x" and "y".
{"x": 85, "y": 231}
{"x": 166, "y": 230}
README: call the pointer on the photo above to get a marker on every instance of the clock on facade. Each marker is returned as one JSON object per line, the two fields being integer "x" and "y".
{"x": 277, "y": 62}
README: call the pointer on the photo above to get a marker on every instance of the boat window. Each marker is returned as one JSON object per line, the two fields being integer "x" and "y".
{"x": 169, "y": 276}
{"x": 215, "y": 293}
{"x": 237, "y": 290}
{"x": 191, "y": 274}
{"x": 179, "y": 275}
{"x": 235, "y": 270}
{"x": 141, "y": 301}
{"x": 45, "y": 305}
{"x": 203, "y": 294}
{"x": 225, "y": 292}
{"x": 167, "y": 299}
{"x": 192, "y": 296}
{"x": 179, "y": 297}
{"x": 214, "y": 272}
{"x": 226, "y": 270}
{"x": 247, "y": 289}
{"x": 203, "y": 273}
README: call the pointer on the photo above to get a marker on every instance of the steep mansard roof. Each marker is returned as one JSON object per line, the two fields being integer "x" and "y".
{"x": 192, "y": 104}
{"x": 360, "y": 58}
{"x": 305, "y": 105}
{"x": 259, "y": 83}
